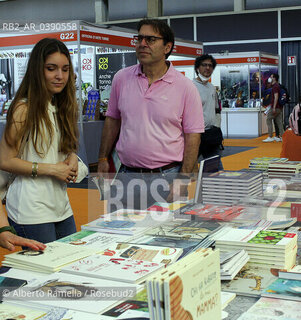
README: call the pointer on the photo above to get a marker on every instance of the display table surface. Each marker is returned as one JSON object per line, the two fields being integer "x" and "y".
{"x": 243, "y": 122}
{"x": 234, "y": 309}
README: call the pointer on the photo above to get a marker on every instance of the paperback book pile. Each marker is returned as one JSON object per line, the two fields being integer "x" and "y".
{"x": 228, "y": 187}
{"x": 232, "y": 262}
{"x": 293, "y": 274}
{"x": 188, "y": 289}
{"x": 127, "y": 222}
{"x": 283, "y": 170}
{"x": 52, "y": 259}
{"x": 262, "y": 163}
{"x": 269, "y": 248}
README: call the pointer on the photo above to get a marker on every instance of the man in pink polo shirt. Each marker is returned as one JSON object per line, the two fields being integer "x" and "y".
{"x": 154, "y": 108}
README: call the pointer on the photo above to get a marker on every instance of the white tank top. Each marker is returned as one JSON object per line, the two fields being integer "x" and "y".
{"x": 42, "y": 199}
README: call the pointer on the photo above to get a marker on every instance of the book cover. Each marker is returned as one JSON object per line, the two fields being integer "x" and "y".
{"x": 284, "y": 289}
{"x": 11, "y": 312}
{"x": 72, "y": 292}
{"x": 129, "y": 222}
{"x": 250, "y": 281}
{"x": 55, "y": 255}
{"x": 276, "y": 308}
{"x": 194, "y": 292}
{"x": 113, "y": 268}
{"x": 259, "y": 238}
{"x": 195, "y": 229}
{"x": 93, "y": 238}
{"x": 149, "y": 253}
{"x": 210, "y": 211}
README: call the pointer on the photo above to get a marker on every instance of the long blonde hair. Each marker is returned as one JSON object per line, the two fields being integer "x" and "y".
{"x": 33, "y": 89}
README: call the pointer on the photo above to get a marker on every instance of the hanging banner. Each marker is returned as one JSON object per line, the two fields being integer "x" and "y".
{"x": 20, "y": 65}
{"x": 107, "y": 64}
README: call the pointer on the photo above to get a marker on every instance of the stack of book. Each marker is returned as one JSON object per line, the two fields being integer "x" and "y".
{"x": 232, "y": 262}
{"x": 283, "y": 170}
{"x": 262, "y": 163}
{"x": 293, "y": 274}
{"x": 52, "y": 259}
{"x": 186, "y": 289}
{"x": 268, "y": 248}
{"x": 228, "y": 187}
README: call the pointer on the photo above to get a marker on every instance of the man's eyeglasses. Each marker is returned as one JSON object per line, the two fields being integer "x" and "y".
{"x": 148, "y": 39}
{"x": 205, "y": 65}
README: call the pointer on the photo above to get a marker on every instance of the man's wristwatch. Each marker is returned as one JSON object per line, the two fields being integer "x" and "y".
{"x": 8, "y": 228}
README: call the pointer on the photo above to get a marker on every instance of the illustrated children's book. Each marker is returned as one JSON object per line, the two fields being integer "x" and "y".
{"x": 113, "y": 268}
{"x": 94, "y": 239}
{"x": 250, "y": 281}
{"x": 56, "y": 255}
{"x": 284, "y": 289}
{"x": 194, "y": 291}
{"x": 149, "y": 253}
{"x": 124, "y": 221}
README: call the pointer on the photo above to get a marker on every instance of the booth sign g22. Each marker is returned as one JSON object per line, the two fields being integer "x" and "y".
{"x": 37, "y": 26}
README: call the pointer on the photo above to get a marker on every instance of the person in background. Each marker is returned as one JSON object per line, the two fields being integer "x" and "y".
{"x": 157, "y": 111}
{"x": 44, "y": 113}
{"x": 267, "y": 103}
{"x": 291, "y": 145}
{"x": 204, "y": 66}
{"x": 276, "y": 111}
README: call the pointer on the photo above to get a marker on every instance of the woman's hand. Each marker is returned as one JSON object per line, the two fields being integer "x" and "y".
{"x": 9, "y": 240}
{"x": 72, "y": 160}
{"x": 64, "y": 172}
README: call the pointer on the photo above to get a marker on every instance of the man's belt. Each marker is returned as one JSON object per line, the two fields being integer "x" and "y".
{"x": 155, "y": 170}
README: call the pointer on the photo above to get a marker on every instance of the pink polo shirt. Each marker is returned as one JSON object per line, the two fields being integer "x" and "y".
{"x": 154, "y": 118}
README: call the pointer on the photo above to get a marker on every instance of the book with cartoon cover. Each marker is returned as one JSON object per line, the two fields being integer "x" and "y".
{"x": 194, "y": 292}
{"x": 250, "y": 281}
{"x": 149, "y": 253}
{"x": 284, "y": 289}
{"x": 113, "y": 268}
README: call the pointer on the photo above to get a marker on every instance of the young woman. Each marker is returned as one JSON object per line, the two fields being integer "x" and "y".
{"x": 44, "y": 113}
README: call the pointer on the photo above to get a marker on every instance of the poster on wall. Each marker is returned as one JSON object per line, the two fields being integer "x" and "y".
{"x": 234, "y": 86}
{"x": 20, "y": 65}
{"x": 254, "y": 82}
{"x": 107, "y": 64}
{"x": 87, "y": 72}
{"x": 6, "y": 79}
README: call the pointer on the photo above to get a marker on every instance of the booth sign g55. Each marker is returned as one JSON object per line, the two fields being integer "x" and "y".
{"x": 38, "y": 26}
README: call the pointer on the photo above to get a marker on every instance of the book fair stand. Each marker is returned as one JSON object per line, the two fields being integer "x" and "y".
{"x": 97, "y": 52}
{"x": 240, "y": 79}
